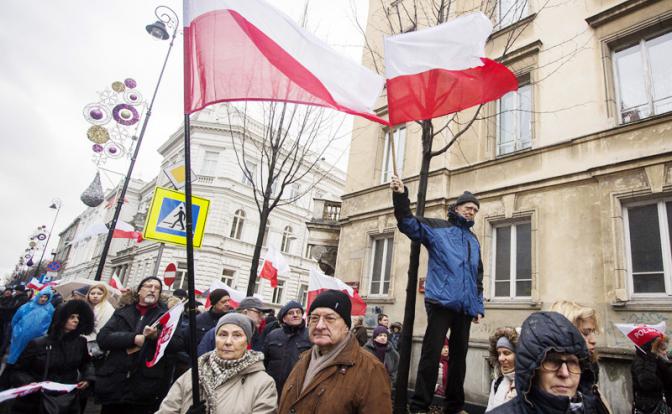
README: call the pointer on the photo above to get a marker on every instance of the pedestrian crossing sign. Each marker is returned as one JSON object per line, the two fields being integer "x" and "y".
{"x": 167, "y": 215}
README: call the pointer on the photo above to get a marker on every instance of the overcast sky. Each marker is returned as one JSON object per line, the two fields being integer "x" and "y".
{"x": 56, "y": 56}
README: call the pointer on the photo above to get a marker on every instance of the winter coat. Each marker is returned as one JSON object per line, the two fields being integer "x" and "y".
{"x": 361, "y": 334}
{"x": 502, "y": 390}
{"x": 251, "y": 392}
{"x": 125, "y": 378}
{"x": 102, "y": 314}
{"x": 354, "y": 382}
{"x": 454, "y": 271}
{"x": 29, "y": 322}
{"x": 647, "y": 372}
{"x": 58, "y": 357}
{"x": 391, "y": 361}
{"x": 282, "y": 348}
{"x": 543, "y": 332}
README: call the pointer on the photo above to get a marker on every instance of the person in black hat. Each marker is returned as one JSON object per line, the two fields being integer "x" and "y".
{"x": 453, "y": 291}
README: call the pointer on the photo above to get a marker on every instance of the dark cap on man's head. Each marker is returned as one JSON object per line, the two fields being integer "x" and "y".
{"x": 180, "y": 293}
{"x": 336, "y": 300}
{"x": 217, "y": 295}
{"x": 142, "y": 282}
{"x": 467, "y": 197}
{"x": 252, "y": 303}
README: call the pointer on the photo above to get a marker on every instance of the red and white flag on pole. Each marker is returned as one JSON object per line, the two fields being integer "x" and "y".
{"x": 169, "y": 323}
{"x": 319, "y": 282}
{"x": 274, "y": 264}
{"x": 34, "y": 284}
{"x": 442, "y": 69}
{"x": 237, "y": 50}
{"x": 124, "y": 230}
{"x": 115, "y": 282}
{"x": 641, "y": 334}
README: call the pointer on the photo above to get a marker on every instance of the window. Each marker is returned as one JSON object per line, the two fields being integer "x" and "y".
{"x": 277, "y": 292}
{"x": 381, "y": 264}
{"x": 512, "y": 250}
{"x": 644, "y": 78}
{"x": 399, "y": 145}
{"x": 514, "y": 119}
{"x": 253, "y": 170}
{"x": 180, "y": 276}
{"x": 257, "y": 285}
{"x": 510, "y": 11}
{"x": 227, "y": 277}
{"x": 648, "y": 232}
{"x": 237, "y": 225}
{"x": 266, "y": 231}
{"x": 309, "y": 251}
{"x": 294, "y": 191}
{"x": 210, "y": 163}
{"x": 287, "y": 237}
{"x": 303, "y": 294}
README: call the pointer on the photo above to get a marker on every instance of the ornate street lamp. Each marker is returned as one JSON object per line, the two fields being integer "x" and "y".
{"x": 56, "y": 205}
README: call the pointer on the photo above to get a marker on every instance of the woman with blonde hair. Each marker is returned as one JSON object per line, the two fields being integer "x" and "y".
{"x": 97, "y": 297}
{"x": 503, "y": 356}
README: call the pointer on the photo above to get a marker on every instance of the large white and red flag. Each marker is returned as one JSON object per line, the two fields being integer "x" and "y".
{"x": 235, "y": 296}
{"x": 169, "y": 323}
{"x": 122, "y": 230}
{"x": 319, "y": 282}
{"x": 641, "y": 334}
{"x": 442, "y": 69}
{"x": 236, "y": 50}
{"x": 274, "y": 264}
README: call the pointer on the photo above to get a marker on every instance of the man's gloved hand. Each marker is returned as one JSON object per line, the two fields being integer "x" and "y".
{"x": 197, "y": 408}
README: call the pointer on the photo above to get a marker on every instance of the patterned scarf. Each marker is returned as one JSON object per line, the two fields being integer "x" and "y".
{"x": 215, "y": 371}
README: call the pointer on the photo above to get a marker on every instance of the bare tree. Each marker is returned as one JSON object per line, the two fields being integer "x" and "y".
{"x": 289, "y": 143}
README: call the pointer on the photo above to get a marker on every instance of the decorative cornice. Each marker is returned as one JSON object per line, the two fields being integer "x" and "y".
{"x": 617, "y": 11}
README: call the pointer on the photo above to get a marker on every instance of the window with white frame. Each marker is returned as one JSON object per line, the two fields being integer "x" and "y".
{"x": 278, "y": 291}
{"x": 302, "y": 297}
{"x": 287, "y": 237}
{"x": 643, "y": 74}
{"x": 266, "y": 231}
{"x": 237, "y": 225}
{"x": 210, "y": 163}
{"x": 309, "y": 251}
{"x": 514, "y": 119}
{"x": 399, "y": 147}
{"x": 648, "y": 232}
{"x": 180, "y": 276}
{"x": 512, "y": 261}
{"x": 381, "y": 265}
{"x": 294, "y": 191}
{"x": 228, "y": 276}
{"x": 510, "y": 11}
{"x": 252, "y": 167}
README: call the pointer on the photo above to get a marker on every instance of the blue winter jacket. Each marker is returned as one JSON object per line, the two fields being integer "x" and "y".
{"x": 455, "y": 271}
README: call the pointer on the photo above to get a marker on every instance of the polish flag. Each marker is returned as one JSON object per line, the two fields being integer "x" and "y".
{"x": 35, "y": 284}
{"x": 235, "y": 296}
{"x": 442, "y": 69}
{"x": 274, "y": 264}
{"x": 168, "y": 323}
{"x": 124, "y": 230}
{"x": 116, "y": 283}
{"x": 641, "y": 334}
{"x": 247, "y": 50}
{"x": 319, "y": 282}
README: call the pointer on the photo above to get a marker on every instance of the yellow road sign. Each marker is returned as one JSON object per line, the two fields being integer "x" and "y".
{"x": 167, "y": 218}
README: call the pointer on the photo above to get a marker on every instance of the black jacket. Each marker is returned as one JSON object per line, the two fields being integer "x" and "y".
{"x": 282, "y": 348}
{"x": 123, "y": 377}
{"x": 648, "y": 374}
{"x": 543, "y": 332}
{"x": 204, "y": 322}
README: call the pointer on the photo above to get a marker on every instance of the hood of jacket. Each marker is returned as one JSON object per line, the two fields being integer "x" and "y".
{"x": 63, "y": 313}
{"x": 544, "y": 332}
{"x": 41, "y": 293}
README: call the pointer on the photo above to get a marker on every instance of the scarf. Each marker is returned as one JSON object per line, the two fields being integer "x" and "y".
{"x": 318, "y": 362}
{"x": 379, "y": 350}
{"x": 215, "y": 371}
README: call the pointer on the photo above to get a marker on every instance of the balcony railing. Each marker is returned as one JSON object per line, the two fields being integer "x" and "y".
{"x": 331, "y": 211}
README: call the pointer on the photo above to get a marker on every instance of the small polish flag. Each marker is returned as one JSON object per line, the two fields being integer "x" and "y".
{"x": 319, "y": 282}
{"x": 274, "y": 264}
{"x": 115, "y": 282}
{"x": 169, "y": 324}
{"x": 442, "y": 69}
{"x": 35, "y": 284}
{"x": 124, "y": 230}
{"x": 641, "y": 334}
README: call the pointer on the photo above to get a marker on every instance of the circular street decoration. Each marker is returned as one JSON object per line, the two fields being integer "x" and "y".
{"x": 125, "y": 114}
{"x": 118, "y": 87}
{"x": 54, "y": 266}
{"x": 41, "y": 237}
{"x": 97, "y": 148}
{"x": 113, "y": 150}
{"x": 132, "y": 97}
{"x": 97, "y": 114}
{"x": 130, "y": 83}
{"x": 32, "y": 243}
{"x": 98, "y": 134}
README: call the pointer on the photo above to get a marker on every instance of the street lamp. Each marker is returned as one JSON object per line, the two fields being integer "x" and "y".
{"x": 55, "y": 205}
{"x": 167, "y": 18}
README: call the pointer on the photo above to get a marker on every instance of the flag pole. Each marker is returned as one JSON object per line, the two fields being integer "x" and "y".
{"x": 191, "y": 309}
{"x": 393, "y": 151}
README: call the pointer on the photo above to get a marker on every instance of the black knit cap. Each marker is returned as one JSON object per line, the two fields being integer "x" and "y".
{"x": 217, "y": 295}
{"x": 336, "y": 300}
{"x": 467, "y": 197}
{"x": 142, "y": 282}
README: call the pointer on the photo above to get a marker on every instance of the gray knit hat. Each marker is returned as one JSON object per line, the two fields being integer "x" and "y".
{"x": 467, "y": 197}
{"x": 237, "y": 319}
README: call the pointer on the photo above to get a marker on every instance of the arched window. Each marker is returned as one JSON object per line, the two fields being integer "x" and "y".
{"x": 237, "y": 225}
{"x": 266, "y": 230}
{"x": 287, "y": 237}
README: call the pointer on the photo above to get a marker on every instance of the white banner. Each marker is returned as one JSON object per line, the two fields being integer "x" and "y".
{"x": 169, "y": 322}
{"x": 34, "y": 387}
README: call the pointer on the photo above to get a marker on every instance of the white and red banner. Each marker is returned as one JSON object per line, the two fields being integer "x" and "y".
{"x": 169, "y": 323}
{"x": 34, "y": 387}
{"x": 274, "y": 265}
{"x": 442, "y": 69}
{"x": 319, "y": 282}
{"x": 248, "y": 50}
{"x": 235, "y": 296}
{"x": 641, "y": 334}
{"x": 34, "y": 284}
{"x": 122, "y": 230}
{"x": 116, "y": 283}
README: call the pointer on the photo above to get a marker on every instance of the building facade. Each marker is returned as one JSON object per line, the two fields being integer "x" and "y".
{"x": 573, "y": 172}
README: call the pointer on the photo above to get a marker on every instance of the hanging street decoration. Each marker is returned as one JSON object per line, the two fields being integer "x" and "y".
{"x": 93, "y": 195}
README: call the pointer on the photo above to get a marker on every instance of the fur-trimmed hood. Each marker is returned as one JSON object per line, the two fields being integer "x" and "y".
{"x": 63, "y": 312}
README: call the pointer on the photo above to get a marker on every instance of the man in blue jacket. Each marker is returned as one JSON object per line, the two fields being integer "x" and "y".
{"x": 453, "y": 292}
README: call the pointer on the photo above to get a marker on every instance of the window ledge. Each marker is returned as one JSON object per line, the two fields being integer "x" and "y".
{"x": 522, "y": 22}
{"x": 379, "y": 299}
{"x": 657, "y": 304}
{"x": 516, "y": 152}
{"x": 617, "y": 11}
{"x": 514, "y": 304}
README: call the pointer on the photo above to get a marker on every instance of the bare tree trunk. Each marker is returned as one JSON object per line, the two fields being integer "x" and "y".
{"x": 254, "y": 265}
{"x": 406, "y": 340}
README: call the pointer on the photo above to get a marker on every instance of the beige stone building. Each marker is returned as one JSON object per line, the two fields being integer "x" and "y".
{"x": 574, "y": 174}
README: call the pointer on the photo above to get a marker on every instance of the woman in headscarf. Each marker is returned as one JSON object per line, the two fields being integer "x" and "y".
{"x": 232, "y": 379}
{"x": 29, "y": 322}
{"x": 503, "y": 355}
{"x": 380, "y": 346}
{"x": 60, "y": 356}
{"x": 97, "y": 298}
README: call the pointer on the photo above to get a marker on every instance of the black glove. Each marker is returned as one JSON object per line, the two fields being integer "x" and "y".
{"x": 197, "y": 408}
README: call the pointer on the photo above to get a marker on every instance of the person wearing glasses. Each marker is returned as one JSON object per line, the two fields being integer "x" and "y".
{"x": 336, "y": 375}
{"x": 453, "y": 292}
{"x": 551, "y": 358}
